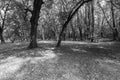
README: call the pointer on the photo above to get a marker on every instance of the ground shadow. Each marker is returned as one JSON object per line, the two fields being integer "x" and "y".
{"x": 68, "y": 62}
{"x": 111, "y": 51}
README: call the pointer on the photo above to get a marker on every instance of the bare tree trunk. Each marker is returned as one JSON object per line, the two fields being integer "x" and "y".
{"x": 115, "y": 34}
{"x": 61, "y": 33}
{"x": 79, "y": 26}
{"x": 43, "y": 33}
{"x": 88, "y": 21}
{"x": 102, "y": 30}
{"x": 80, "y": 32}
{"x": 115, "y": 31}
{"x": 73, "y": 31}
{"x": 34, "y": 23}
{"x": 73, "y": 34}
{"x": 1, "y": 36}
{"x": 113, "y": 27}
{"x": 92, "y": 23}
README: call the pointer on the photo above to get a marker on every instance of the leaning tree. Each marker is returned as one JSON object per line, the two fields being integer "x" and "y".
{"x": 70, "y": 16}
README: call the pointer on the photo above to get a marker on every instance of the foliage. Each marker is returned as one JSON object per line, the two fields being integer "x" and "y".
{"x": 54, "y": 14}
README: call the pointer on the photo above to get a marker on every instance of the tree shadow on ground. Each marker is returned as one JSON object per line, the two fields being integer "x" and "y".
{"x": 103, "y": 50}
{"x": 92, "y": 60}
{"x": 20, "y": 51}
{"x": 93, "y": 50}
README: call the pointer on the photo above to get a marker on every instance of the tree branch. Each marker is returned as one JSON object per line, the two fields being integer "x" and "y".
{"x": 28, "y": 10}
{"x": 70, "y": 16}
{"x": 115, "y": 5}
{"x": 105, "y": 15}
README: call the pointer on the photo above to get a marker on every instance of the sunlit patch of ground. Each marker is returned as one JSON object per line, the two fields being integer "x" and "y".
{"x": 48, "y": 54}
{"x": 79, "y": 50}
{"x": 10, "y": 66}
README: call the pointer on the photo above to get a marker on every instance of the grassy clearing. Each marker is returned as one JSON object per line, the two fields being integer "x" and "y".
{"x": 72, "y": 61}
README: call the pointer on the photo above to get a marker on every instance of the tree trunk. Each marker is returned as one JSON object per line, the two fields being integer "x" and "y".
{"x": 34, "y": 23}
{"x": 73, "y": 31}
{"x": 79, "y": 26}
{"x": 92, "y": 23}
{"x": 88, "y": 21}
{"x": 73, "y": 35}
{"x": 115, "y": 34}
{"x": 80, "y": 32}
{"x": 2, "y": 39}
{"x": 1, "y": 36}
{"x": 115, "y": 31}
{"x": 102, "y": 29}
{"x": 61, "y": 33}
{"x": 43, "y": 33}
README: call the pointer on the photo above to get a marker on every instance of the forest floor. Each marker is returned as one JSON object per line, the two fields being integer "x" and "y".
{"x": 72, "y": 61}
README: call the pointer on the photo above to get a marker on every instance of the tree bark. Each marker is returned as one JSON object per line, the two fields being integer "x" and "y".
{"x": 115, "y": 34}
{"x": 34, "y": 23}
{"x": 79, "y": 26}
{"x": 73, "y": 33}
{"x": 80, "y": 32}
{"x": 1, "y": 36}
{"x": 88, "y": 21}
{"x": 102, "y": 28}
